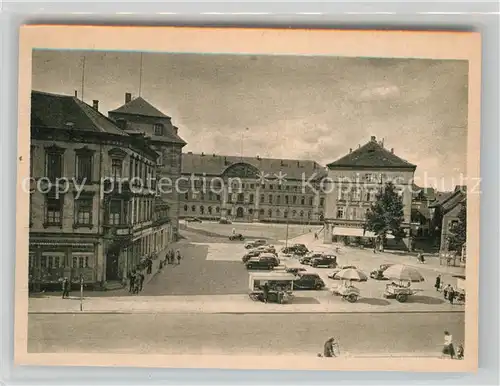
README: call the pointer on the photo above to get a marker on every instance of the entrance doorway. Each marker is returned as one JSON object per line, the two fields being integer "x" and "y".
{"x": 112, "y": 266}
{"x": 239, "y": 212}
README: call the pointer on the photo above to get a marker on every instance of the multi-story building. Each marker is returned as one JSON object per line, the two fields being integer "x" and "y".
{"x": 138, "y": 116}
{"x": 355, "y": 180}
{"x": 251, "y": 188}
{"x": 92, "y": 195}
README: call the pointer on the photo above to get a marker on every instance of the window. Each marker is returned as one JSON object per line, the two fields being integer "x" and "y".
{"x": 193, "y": 208}
{"x": 202, "y": 209}
{"x": 285, "y": 214}
{"x": 286, "y": 200}
{"x": 185, "y": 208}
{"x": 131, "y": 168}
{"x": 301, "y": 213}
{"x": 357, "y": 194}
{"x": 158, "y": 128}
{"x": 321, "y": 201}
{"x": 218, "y": 197}
{"x": 217, "y": 210}
{"x": 270, "y": 213}
{"x": 452, "y": 224}
{"x": 209, "y": 210}
{"x": 84, "y": 211}
{"x": 250, "y": 211}
{"x": 309, "y": 214}
{"x": 340, "y": 212}
{"x": 54, "y": 164}
{"x": 115, "y": 211}
{"x": 262, "y": 198}
{"x": 294, "y": 200}
{"x": 278, "y": 213}
{"x": 302, "y": 200}
{"x": 354, "y": 213}
{"x": 278, "y": 200}
{"x": 251, "y": 199}
{"x": 51, "y": 262}
{"x": 261, "y": 212}
{"x": 344, "y": 194}
{"x": 54, "y": 207}
{"x": 311, "y": 201}
{"x": 294, "y": 213}
{"x": 229, "y": 212}
{"x": 240, "y": 197}
{"x": 116, "y": 168}
{"x": 368, "y": 195}
{"x": 159, "y": 159}
{"x": 186, "y": 196}
{"x": 270, "y": 199}
{"x": 80, "y": 262}
{"x": 84, "y": 167}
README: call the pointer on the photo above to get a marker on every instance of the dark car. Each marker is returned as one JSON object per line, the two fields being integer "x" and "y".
{"x": 325, "y": 261}
{"x": 297, "y": 249}
{"x": 378, "y": 274}
{"x": 236, "y": 236}
{"x": 260, "y": 263}
{"x": 308, "y": 281}
{"x": 307, "y": 259}
{"x": 249, "y": 255}
{"x": 193, "y": 219}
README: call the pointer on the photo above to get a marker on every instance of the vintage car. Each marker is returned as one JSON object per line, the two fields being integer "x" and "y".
{"x": 224, "y": 220}
{"x": 325, "y": 261}
{"x": 250, "y": 254}
{"x": 333, "y": 275}
{"x": 306, "y": 260}
{"x": 297, "y": 249}
{"x": 308, "y": 281}
{"x": 378, "y": 274}
{"x": 263, "y": 261}
{"x": 236, "y": 236}
{"x": 255, "y": 243}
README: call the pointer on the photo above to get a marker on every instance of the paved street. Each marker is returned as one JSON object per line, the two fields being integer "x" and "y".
{"x": 421, "y": 334}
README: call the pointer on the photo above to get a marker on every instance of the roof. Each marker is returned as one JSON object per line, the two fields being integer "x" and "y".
{"x": 371, "y": 155}
{"x": 139, "y": 106}
{"x": 211, "y": 164}
{"x": 55, "y": 111}
{"x": 448, "y": 200}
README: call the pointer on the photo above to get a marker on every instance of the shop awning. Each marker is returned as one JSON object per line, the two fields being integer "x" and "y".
{"x": 355, "y": 232}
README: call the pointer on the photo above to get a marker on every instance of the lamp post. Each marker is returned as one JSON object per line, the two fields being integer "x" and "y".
{"x": 287, "y": 222}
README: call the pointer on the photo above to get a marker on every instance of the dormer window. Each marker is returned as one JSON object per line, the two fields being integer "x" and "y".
{"x": 121, "y": 123}
{"x": 158, "y": 129}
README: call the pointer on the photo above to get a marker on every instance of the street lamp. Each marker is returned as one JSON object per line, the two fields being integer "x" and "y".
{"x": 287, "y": 222}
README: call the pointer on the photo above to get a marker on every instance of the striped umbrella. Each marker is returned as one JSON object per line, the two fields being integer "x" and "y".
{"x": 351, "y": 274}
{"x": 403, "y": 272}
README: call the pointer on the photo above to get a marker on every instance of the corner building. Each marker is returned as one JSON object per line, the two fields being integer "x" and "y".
{"x": 356, "y": 179}
{"x": 234, "y": 189}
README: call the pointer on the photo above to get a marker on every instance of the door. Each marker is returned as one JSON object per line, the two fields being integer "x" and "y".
{"x": 112, "y": 271}
{"x": 239, "y": 212}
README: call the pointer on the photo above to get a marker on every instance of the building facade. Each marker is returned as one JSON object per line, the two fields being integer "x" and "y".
{"x": 86, "y": 217}
{"x": 138, "y": 117}
{"x": 355, "y": 180}
{"x": 251, "y": 189}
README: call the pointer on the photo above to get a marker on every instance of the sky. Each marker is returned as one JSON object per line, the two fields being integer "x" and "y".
{"x": 293, "y": 107}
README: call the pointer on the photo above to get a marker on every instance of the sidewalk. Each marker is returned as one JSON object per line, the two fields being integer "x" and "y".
{"x": 225, "y": 304}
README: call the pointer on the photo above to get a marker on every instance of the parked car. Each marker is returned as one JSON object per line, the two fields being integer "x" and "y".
{"x": 378, "y": 274}
{"x": 250, "y": 254}
{"x": 260, "y": 263}
{"x": 308, "y": 281}
{"x": 192, "y": 219}
{"x": 326, "y": 261}
{"x": 267, "y": 248}
{"x": 297, "y": 249}
{"x": 237, "y": 236}
{"x": 255, "y": 243}
{"x": 224, "y": 220}
{"x": 333, "y": 274}
{"x": 271, "y": 257}
{"x": 306, "y": 260}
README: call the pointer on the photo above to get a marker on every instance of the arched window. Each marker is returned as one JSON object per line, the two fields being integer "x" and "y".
{"x": 193, "y": 208}
{"x": 294, "y": 200}
{"x": 278, "y": 199}
{"x": 278, "y": 213}
{"x": 309, "y": 214}
{"x": 250, "y": 211}
{"x": 185, "y": 208}
{"x": 302, "y": 200}
{"x": 294, "y": 213}
{"x": 311, "y": 201}
{"x": 301, "y": 213}
{"x": 285, "y": 214}
{"x": 209, "y": 210}
{"x": 217, "y": 209}
{"x": 270, "y": 198}
{"x": 202, "y": 209}
{"x": 286, "y": 200}
{"x": 262, "y": 212}
{"x": 270, "y": 213}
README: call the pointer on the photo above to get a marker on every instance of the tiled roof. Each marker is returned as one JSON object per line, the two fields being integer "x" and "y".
{"x": 371, "y": 155}
{"x": 216, "y": 164}
{"x": 139, "y": 106}
{"x": 63, "y": 111}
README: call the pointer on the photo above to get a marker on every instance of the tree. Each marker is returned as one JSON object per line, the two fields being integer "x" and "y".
{"x": 458, "y": 234}
{"x": 386, "y": 214}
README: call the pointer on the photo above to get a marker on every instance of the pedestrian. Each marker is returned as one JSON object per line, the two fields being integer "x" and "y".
{"x": 178, "y": 257}
{"x": 445, "y": 291}
{"x": 451, "y": 295}
{"x": 171, "y": 257}
{"x": 150, "y": 265}
{"x": 131, "y": 279}
{"x": 448, "y": 348}
{"x": 437, "y": 285}
{"x": 65, "y": 288}
{"x": 141, "y": 281}
{"x": 329, "y": 348}
{"x": 460, "y": 351}
{"x": 234, "y": 231}
{"x": 265, "y": 290}
{"x": 315, "y": 236}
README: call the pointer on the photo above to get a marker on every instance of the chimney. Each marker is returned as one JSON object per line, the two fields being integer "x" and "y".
{"x": 176, "y": 129}
{"x": 76, "y": 93}
{"x": 392, "y": 150}
{"x": 95, "y": 104}
{"x": 373, "y": 138}
{"x": 298, "y": 164}
{"x": 214, "y": 154}
{"x": 202, "y": 154}
{"x": 128, "y": 97}
{"x": 350, "y": 150}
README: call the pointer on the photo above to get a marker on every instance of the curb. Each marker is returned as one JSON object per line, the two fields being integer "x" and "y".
{"x": 124, "y": 312}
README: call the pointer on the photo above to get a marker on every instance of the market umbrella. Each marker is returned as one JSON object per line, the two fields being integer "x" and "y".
{"x": 352, "y": 274}
{"x": 403, "y": 272}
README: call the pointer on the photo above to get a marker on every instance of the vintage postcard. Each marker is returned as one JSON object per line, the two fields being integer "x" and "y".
{"x": 248, "y": 198}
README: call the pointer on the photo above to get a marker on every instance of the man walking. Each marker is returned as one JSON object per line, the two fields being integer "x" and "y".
{"x": 178, "y": 257}
{"x": 141, "y": 281}
{"x": 438, "y": 282}
{"x": 66, "y": 288}
{"x": 131, "y": 279}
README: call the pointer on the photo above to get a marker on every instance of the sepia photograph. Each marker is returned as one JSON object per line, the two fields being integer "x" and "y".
{"x": 317, "y": 208}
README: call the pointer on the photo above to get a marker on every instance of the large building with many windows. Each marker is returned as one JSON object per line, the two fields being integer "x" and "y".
{"x": 251, "y": 188}
{"x": 94, "y": 209}
{"x": 356, "y": 179}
